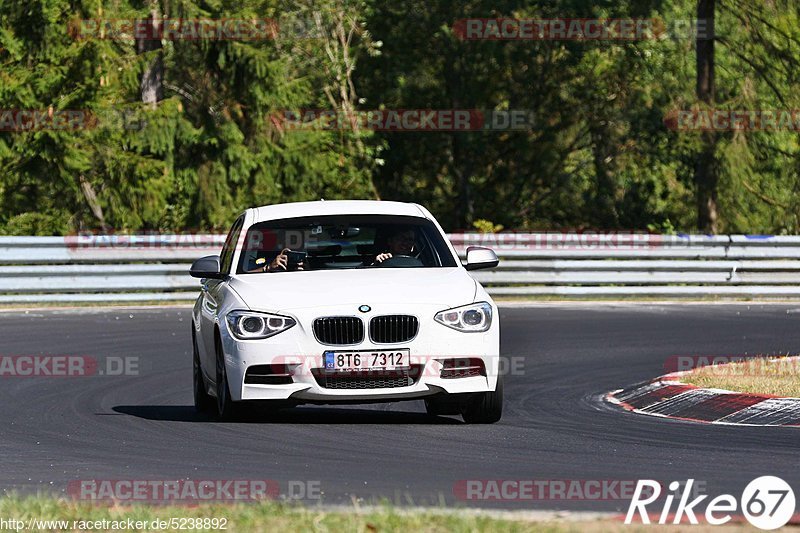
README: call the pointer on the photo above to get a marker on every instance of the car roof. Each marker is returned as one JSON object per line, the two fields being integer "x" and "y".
{"x": 336, "y": 207}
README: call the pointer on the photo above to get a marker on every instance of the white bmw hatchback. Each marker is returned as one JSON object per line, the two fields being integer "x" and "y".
{"x": 345, "y": 302}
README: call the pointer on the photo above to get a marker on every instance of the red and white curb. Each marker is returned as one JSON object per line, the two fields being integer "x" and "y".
{"x": 668, "y": 397}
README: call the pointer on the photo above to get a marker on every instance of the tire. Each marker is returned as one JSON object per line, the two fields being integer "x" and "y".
{"x": 440, "y": 406}
{"x": 227, "y": 409}
{"x": 203, "y": 402}
{"x": 485, "y": 407}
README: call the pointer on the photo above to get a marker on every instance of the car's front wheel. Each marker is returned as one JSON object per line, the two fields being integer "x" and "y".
{"x": 202, "y": 401}
{"x": 484, "y": 407}
{"x": 226, "y": 407}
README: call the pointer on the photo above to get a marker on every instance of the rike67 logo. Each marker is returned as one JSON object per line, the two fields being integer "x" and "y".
{"x": 767, "y": 503}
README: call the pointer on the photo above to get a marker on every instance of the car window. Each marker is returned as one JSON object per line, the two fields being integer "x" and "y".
{"x": 343, "y": 242}
{"x": 226, "y": 256}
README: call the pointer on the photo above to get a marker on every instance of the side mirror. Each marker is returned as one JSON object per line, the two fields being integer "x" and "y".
{"x": 206, "y": 267}
{"x": 479, "y": 257}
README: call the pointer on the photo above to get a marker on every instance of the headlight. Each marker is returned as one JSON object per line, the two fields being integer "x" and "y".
{"x": 469, "y": 318}
{"x": 249, "y": 325}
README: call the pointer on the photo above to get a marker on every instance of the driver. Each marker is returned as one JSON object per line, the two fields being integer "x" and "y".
{"x": 401, "y": 242}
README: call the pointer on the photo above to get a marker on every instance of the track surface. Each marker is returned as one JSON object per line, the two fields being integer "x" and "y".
{"x": 55, "y": 430}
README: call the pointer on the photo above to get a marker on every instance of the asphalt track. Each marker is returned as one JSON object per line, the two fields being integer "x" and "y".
{"x": 555, "y": 427}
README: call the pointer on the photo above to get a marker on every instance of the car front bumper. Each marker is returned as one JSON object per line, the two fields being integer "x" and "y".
{"x": 300, "y": 355}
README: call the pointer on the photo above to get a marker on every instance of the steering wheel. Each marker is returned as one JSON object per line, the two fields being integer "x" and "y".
{"x": 401, "y": 261}
{"x": 417, "y": 253}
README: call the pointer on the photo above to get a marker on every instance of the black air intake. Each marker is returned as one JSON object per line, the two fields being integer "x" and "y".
{"x": 339, "y": 330}
{"x": 390, "y": 329}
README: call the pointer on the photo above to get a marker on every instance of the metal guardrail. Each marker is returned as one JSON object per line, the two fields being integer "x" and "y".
{"x": 155, "y": 267}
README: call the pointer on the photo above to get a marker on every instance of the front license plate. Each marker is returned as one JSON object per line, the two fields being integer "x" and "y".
{"x": 367, "y": 360}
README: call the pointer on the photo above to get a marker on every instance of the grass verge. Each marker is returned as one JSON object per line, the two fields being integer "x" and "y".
{"x": 774, "y": 376}
{"x": 272, "y": 516}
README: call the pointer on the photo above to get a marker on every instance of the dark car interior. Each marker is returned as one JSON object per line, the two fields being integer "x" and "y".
{"x": 336, "y": 242}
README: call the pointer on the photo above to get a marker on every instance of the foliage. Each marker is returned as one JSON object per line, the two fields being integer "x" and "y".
{"x": 486, "y": 226}
{"x": 598, "y": 152}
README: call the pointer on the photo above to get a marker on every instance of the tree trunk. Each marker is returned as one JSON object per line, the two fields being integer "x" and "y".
{"x": 605, "y": 213}
{"x": 91, "y": 199}
{"x": 152, "y": 83}
{"x": 463, "y": 173}
{"x": 706, "y": 175}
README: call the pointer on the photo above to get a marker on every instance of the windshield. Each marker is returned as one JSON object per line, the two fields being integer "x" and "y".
{"x": 347, "y": 241}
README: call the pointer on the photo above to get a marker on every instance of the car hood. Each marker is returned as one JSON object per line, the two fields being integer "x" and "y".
{"x": 284, "y": 291}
